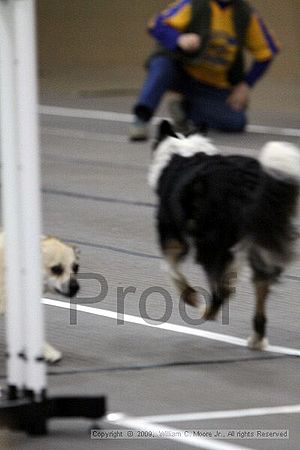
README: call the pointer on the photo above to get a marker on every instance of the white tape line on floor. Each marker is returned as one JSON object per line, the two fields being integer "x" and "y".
{"x": 174, "y": 434}
{"x": 127, "y": 118}
{"x": 227, "y": 339}
{"x": 229, "y": 414}
{"x": 118, "y": 139}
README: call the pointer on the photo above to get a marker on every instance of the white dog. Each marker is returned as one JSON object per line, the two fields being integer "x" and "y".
{"x": 60, "y": 264}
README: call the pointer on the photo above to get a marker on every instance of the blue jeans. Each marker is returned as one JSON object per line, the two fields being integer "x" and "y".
{"x": 205, "y": 104}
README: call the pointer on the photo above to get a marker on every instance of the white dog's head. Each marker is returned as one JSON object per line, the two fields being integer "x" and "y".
{"x": 60, "y": 265}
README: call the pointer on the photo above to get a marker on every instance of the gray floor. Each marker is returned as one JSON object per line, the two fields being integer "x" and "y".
{"x": 95, "y": 194}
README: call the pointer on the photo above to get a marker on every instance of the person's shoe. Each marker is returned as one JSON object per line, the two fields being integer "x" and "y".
{"x": 178, "y": 115}
{"x": 138, "y": 131}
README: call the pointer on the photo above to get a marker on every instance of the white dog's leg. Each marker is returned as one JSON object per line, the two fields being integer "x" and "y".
{"x": 51, "y": 355}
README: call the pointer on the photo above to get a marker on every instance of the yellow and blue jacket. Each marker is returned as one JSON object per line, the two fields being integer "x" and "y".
{"x": 223, "y": 43}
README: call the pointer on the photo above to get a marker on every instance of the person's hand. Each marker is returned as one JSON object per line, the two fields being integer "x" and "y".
{"x": 189, "y": 42}
{"x": 239, "y": 97}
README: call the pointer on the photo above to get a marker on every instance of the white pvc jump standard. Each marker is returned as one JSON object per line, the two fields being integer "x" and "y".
{"x": 27, "y": 407}
{"x": 21, "y": 198}
{"x": 10, "y": 201}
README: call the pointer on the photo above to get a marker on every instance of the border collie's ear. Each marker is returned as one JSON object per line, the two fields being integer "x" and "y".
{"x": 164, "y": 130}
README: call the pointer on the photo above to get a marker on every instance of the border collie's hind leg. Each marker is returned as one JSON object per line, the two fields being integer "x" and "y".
{"x": 264, "y": 275}
{"x": 174, "y": 251}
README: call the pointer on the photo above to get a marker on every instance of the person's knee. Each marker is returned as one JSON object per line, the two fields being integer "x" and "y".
{"x": 234, "y": 123}
{"x": 216, "y": 115}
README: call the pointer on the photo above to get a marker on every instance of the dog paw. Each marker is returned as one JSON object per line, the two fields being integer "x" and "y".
{"x": 256, "y": 343}
{"x": 51, "y": 355}
{"x": 210, "y": 314}
{"x": 202, "y": 309}
{"x": 190, "y": 297}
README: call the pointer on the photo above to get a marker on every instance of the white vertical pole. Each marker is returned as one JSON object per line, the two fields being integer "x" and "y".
{"x": 21, "y": 196}
{"x": 27, "y": 106}
{"x": 11, "y": 200}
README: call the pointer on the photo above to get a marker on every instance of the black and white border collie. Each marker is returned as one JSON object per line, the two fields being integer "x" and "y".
{"x": 217, "y": 205}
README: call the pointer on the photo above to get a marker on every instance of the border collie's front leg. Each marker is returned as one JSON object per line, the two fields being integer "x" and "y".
{"x": 265, "y": 274}
{"x": 258, "y": 341}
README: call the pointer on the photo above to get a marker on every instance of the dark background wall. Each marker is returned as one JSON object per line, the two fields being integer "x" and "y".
{"x": 95, "y": 39}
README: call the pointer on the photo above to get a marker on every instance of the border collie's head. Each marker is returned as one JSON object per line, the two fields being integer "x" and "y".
{"x": 164, "y": 131}
{"x": 169, "y": 143}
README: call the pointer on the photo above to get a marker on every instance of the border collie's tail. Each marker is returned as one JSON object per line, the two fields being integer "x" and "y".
{"x": 271, "y": 218}
{"x": 281, "y": 160}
